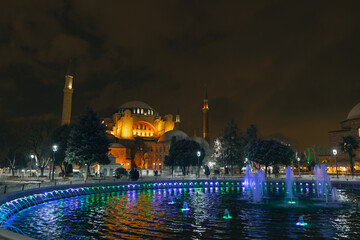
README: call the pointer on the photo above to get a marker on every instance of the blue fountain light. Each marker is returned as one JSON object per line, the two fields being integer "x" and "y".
{"x": 227, "y": 214}
{"x": 185, "y": 207}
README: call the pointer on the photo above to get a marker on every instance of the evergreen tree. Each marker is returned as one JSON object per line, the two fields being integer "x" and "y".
{"x": 88, "y": 142}
{"x": 232, "y": 144}
{"x": 269, "y": 153}
{"x": 348, "y": 145}
{"x": 183, "y": 153}
{"x": 251, "y": 134}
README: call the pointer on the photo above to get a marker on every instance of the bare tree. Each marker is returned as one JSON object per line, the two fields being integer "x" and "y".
{"x": 12, "y": 148}
{"x": 40, "y": 145}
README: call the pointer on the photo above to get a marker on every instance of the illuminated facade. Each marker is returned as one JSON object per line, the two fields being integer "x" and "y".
{"x": 138, "y": 133}
{"x": 141, "y": 138}
{"x": 350, "y": 126}
{"x": 138, "y": 119}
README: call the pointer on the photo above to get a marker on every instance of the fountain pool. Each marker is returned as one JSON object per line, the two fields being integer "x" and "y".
{"x": 141, "y": 214}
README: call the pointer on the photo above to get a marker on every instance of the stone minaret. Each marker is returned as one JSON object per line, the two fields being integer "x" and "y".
{"x": 206, "y": 118}
{"x": 177, "y": 119}
{"x": 68, "y": 91}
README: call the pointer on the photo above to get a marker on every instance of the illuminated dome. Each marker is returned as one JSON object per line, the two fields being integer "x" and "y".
{"x": 138, "y": 107}
{"x": 166, "y": 137}
{"x": 355, "y": 112}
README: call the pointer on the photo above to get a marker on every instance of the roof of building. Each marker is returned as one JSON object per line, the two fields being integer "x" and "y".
{"x": 166, "y": 137}
{"x": 136, "y": 104}
{"x": 355, "y": 112}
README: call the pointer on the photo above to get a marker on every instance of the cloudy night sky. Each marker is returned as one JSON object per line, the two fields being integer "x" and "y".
{"x": 290, "y": 68}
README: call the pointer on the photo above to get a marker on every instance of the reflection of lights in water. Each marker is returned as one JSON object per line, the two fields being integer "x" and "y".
{"x": 301, "y": 224}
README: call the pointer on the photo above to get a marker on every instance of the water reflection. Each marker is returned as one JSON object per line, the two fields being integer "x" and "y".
{"x": 146, "y": 214}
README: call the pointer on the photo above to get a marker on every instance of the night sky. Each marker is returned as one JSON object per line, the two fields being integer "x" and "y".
{"x": 290, "y": 68}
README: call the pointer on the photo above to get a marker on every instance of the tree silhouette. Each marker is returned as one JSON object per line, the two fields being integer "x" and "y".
{"x": 348, "y": 145}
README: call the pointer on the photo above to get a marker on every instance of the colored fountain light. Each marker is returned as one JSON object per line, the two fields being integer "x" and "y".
{"x": 289, "y": 184}
{"x": 227, "y": 214}
{"x": 185, "y": 207}
{"x": 301, "y": 222}
{"x": 171, "y": 202}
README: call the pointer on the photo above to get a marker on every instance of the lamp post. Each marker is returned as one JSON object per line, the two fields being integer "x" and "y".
{"x": 198, "y": 155}
{"x": 31, "y": 157}
{"x": 54, "y": 148}
{"x": 298, "y": 159}
{"x": 335, "y": 153}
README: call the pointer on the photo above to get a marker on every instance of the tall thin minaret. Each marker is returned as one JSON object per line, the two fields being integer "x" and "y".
{"x": 206, "y": 118}
{"x": 68, "y": 91}
{"x": 177, "y": 119}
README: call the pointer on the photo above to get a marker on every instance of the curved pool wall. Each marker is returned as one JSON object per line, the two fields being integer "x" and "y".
{"x": 14, "y": 202}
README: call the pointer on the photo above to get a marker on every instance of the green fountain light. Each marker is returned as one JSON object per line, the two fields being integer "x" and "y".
{"x": 227, "y": 214}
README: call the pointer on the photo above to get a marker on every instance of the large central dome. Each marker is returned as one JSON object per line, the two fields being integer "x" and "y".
{"x": 136, "y": 104}
{"x": 138, "y": 107}
{"x": 355, "y": 112}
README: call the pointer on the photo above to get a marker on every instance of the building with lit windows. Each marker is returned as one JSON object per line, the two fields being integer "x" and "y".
{"x": 141, "y": 138}
{"x": 350, "y": 126}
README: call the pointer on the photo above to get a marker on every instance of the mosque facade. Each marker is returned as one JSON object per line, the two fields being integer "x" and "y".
{"x": 349, "y": 127}
{"x": 140, "y": 137}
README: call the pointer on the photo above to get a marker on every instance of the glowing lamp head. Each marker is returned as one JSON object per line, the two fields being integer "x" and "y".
{"x": 32, "y": 156}
{"x": 198, "y": 153}
{"x": 55, "y": 148}
{"x": 298, "y": 159}
{"x": 334, "y": 152}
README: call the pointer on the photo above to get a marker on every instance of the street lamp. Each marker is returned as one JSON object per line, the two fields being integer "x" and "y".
{"x": 31, "y": 157}
{"x": 335, "y": 153}
{"x": 198, "y": 155}
{"x": 54, "y": 148}
{"x": 298, "y": 159}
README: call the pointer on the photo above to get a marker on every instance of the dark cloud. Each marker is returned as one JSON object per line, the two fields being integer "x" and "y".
{"x": 289, "y": 67}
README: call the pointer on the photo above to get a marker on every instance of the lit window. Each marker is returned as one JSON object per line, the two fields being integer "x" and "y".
{"x": 142, "y": 111}
{"x": 143, "y": 134}
{"x": 359, "y": 132}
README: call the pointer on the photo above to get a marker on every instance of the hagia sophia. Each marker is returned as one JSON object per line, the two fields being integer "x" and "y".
{"x": 140, "y": 137}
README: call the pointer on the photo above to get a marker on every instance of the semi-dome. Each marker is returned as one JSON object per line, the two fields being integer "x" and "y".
{"x": 166, "y": 137}
{"x": 355, "y": 112}
{"x": 117, "y": 145}
{"x": 138, "y": 107}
